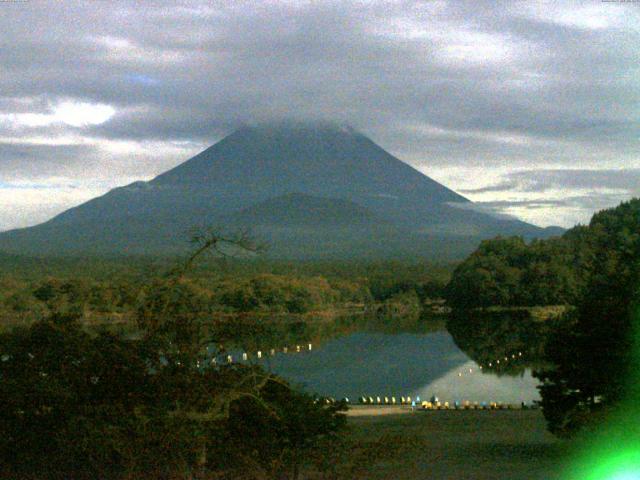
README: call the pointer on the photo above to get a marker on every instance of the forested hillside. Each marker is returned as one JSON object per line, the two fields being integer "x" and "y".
{"x": 556, "y": 271}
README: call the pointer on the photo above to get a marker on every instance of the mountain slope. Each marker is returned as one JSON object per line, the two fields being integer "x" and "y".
{"x": 298, "y": 209}
{"x": 357, "y": 189}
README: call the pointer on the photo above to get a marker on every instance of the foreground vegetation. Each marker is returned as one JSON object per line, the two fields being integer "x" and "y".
{"x": 84, "y": 407}
{"x": 85, "y": 404}
{"x": 82, "y": 400}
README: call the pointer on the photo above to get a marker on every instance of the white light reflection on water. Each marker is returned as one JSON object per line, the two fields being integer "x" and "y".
{"x": 481, "y": 387}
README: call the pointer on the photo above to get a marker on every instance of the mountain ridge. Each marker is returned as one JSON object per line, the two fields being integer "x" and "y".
{"x": 248, "y": 170}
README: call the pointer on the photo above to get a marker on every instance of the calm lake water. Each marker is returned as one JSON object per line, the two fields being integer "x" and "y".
{"x": 381, "y": 364}
{"x": 355, "y": 356}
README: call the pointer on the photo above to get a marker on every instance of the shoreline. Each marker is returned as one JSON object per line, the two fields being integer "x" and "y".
{"x": 379, "y": 410}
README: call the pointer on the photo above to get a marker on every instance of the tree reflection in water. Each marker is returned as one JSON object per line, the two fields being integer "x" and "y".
{"x": 488, "y": 336}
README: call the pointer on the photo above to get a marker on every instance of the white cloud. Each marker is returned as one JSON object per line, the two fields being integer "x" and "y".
{"x": 475, "y": 47}
{"x": 562, "y": 197}
{"x": 120, "y": 49}
{"x": 24, "y": 204}
{"x": 503, "y": 137}
{"x": 584, "y": 15}
{"x": 486, "y": 88}
{"x": 449, "y": 41}
{"x": 81, "y": 114}
{"x": 69, "y": 112}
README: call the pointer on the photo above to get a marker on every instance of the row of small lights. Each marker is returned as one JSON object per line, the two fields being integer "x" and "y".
{"x": 491, "y": 364}
{"x": 309, "y": 347}
{"x": 260, "y": 354}
{"x": 433, "y": 404}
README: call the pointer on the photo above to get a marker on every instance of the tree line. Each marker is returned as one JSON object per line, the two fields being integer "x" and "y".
{"x": 593, "y": 348}
{"x": 507, "y": 271}
{"x": 24, "y": 299}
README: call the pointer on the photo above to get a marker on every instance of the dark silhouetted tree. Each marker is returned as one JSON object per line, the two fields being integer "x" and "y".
{"x": 593, "y": 354}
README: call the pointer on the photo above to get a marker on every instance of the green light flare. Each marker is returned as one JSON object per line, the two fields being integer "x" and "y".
{"x": 626, "y": 476}
{"x": 614, "y": 452}
{"x": 614, "y": 466}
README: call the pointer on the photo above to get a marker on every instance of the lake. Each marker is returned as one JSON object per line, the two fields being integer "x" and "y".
{"x": 364, "y": 358}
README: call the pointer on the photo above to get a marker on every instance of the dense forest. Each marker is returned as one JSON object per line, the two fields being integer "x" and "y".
{"x": 511, "y": 272}
{"x": 101, "y": 292}
{"x": 587, "y": 359}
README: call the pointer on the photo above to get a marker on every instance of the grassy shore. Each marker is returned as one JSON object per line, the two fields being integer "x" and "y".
{"x": 474, "y": 445}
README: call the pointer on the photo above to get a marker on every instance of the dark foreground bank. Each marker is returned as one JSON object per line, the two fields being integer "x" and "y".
{"x": 492, "y": 445}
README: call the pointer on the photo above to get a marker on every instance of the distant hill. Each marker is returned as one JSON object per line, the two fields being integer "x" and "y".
{"x": 311, "y": 190}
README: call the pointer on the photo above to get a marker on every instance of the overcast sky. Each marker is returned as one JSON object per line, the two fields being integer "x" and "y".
{"x": 528, "y": 107}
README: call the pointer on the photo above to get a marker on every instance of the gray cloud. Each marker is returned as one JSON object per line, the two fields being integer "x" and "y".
{"x": 560, "y": 196}
{"x": 576, "y": 202}
{"x": 498, "y": 187}
{"x": 514, "y": 85}
{"x": 624, "y": 180}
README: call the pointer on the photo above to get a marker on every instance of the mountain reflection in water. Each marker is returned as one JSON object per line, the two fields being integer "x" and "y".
{"x": 376, "y": 359}
{"x": 482, "y": 387}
